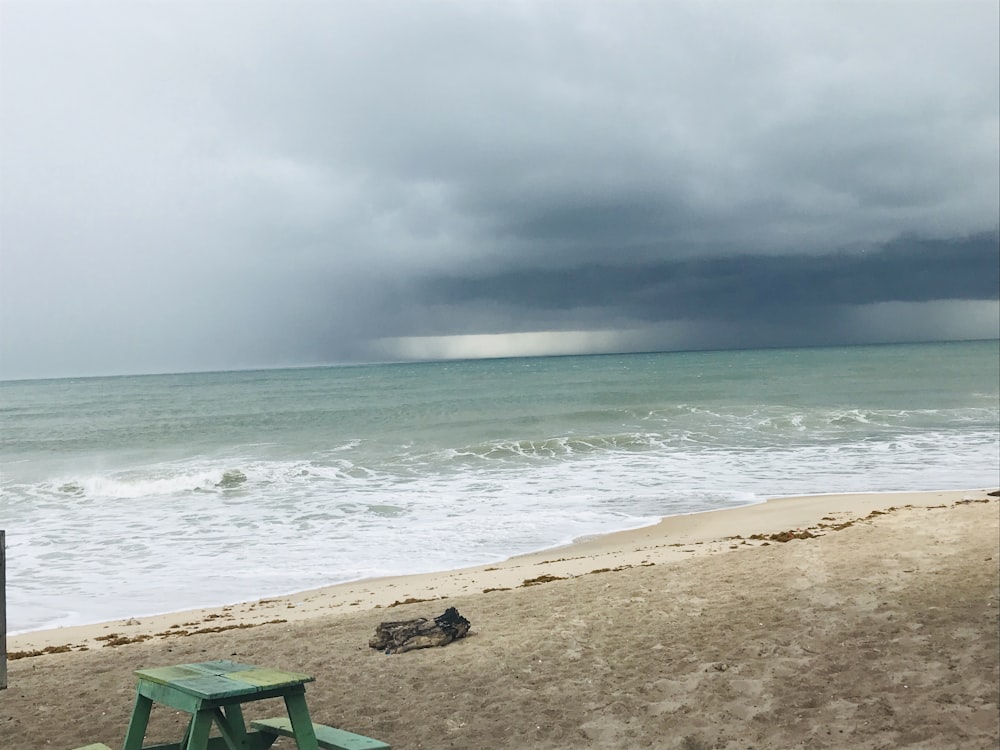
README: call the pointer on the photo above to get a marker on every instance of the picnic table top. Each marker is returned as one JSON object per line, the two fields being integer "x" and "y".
{"x": 213, "y": 680}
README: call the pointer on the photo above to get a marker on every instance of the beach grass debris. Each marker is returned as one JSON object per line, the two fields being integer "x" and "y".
{"x": 785, "y": 536}
{"x": 214, "y": 629}
{"x": 410, "y": 600}
{"x": 12, "y": 655}
{"x": 546, "y": 578}
{"x": 116, "y": 639}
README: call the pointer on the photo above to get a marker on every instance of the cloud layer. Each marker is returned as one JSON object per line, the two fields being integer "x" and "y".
{"x": 192, "y": 186}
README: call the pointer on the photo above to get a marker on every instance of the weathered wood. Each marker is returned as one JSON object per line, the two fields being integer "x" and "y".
{"x": 3, "y": 610}
{"x": 212, "y": 692}
{"x": 405, "y": 635}
{"x": 254, "y": 741}
{"x": 329, "y": 738}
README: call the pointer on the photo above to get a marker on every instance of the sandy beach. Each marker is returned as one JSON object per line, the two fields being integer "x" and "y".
{"x": 834, "y": 621}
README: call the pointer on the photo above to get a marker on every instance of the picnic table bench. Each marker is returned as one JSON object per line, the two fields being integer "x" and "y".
{"x": 214, "y": 692}
{"x": 329, "y": 738}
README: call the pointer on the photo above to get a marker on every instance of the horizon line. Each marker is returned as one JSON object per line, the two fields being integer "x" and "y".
{"x": 417, "y": 361}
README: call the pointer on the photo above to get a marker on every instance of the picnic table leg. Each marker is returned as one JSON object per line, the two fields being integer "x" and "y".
{"x": 201, "y": 725}
{"x": 298, "y": 712}
{"x": 138, "y": 723}
{"x": 231, "y": 725}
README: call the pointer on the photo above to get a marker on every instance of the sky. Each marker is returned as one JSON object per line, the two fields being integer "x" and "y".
{"x": 226, "y": 185}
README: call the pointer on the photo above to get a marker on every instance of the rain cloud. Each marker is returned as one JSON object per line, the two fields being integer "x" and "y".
{"x": 212, "y": 186}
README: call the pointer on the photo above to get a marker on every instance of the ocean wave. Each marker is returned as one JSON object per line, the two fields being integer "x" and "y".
{"x": 559, "y": 447}
{"x": 329, "y": 527}
{"x": 146, "y": 482}
{"x": 351, "y": 474}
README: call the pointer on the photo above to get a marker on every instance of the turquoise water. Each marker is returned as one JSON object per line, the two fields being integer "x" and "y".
{"x": 117, "y": 491}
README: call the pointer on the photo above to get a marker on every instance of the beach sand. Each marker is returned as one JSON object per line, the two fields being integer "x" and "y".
{"x": 836, "y": 621}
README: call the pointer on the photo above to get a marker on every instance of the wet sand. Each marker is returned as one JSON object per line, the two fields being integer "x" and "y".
{"x": 861, "y": 621}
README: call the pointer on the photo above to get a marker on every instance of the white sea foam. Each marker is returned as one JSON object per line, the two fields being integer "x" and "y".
{"x": 293, "y": 526}
{"x": 331, "y": 496}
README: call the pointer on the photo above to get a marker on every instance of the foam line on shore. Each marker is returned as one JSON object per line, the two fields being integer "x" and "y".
{"x": 672, "y": 540}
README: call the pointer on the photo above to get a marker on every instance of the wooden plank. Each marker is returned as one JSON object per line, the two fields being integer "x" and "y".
{"x": 231, "y": 725}
{"x": 213, "y": 687}
{"x": 329, "y": 738}
{"x": 201, "y": 725}
{"x": 3, "y": 610}
{"x": 269, "y": 678}
{"x": 166, "y": 675}
{"x": 301, "y": 722}
{"x": 219, "y": 666}
{"x": 136, "y": 731}
{"x": 221, "y": 679}
{"x": 167, "y": 696}
{"x": 254, "y": 741}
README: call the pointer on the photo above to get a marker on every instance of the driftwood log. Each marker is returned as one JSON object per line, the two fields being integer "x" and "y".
{"x": 406, "y": 635}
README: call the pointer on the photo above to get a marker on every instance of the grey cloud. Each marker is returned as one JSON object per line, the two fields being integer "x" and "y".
{"x": 213, "y": 184}
{"x": 905, "y": 270}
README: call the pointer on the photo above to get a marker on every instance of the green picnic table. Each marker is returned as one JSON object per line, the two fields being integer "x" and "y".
{"x": 213, "y": 692}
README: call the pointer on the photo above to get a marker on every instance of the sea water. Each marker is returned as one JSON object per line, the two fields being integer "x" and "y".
{"x": 128, "y": 496}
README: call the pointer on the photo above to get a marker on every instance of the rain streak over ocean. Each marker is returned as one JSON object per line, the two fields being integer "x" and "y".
{"x": 128, "y": 496}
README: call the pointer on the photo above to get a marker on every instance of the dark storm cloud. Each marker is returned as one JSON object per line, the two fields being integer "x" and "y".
{"x": 208, "y": 185}
{"x": 737, "y": 287}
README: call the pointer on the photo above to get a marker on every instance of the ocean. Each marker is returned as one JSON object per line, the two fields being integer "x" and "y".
{"x": 130, "y": 496}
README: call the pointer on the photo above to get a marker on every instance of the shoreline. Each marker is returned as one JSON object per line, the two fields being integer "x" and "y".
{"x": 670, "y": 540}
{"x": 832, "y": 621}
